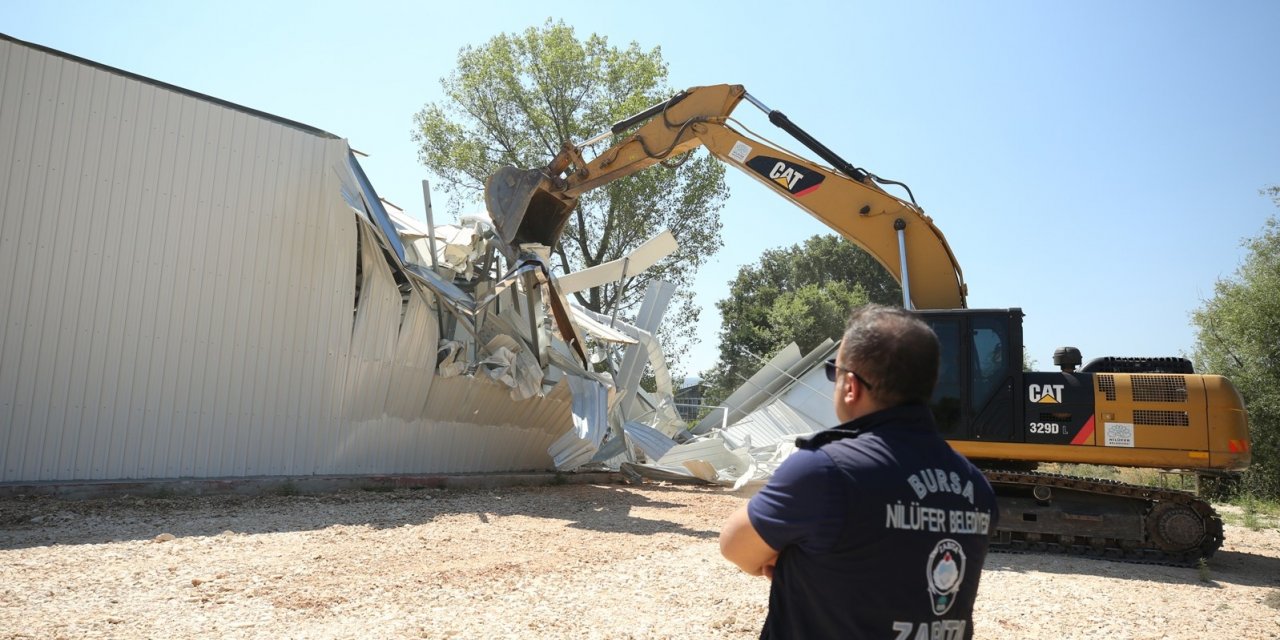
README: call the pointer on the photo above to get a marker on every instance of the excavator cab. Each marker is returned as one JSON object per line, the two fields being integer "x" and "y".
{"x": 980, "y": 368}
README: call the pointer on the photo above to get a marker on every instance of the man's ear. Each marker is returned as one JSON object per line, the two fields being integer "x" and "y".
{"x": 849, "y": 391}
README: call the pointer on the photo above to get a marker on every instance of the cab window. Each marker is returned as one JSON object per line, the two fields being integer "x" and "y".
{"x": 946, "y": 398}
{"x": 987, "y": 361}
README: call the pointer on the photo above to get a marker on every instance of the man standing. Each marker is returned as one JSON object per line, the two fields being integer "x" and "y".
{"x": 875, "y": 528}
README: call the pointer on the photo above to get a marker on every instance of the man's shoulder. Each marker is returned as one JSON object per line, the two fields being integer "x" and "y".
{"x": 816, "y": 441}
{"x": 805, "y": 462}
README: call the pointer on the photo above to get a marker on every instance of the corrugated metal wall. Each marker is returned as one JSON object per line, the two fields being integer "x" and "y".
{"x": 177, "y": 281}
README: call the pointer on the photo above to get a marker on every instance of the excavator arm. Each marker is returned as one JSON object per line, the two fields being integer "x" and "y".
{"x": 533, "y": 205}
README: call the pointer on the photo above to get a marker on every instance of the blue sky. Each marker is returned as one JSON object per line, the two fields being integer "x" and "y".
{"x": 1094, "y": 163}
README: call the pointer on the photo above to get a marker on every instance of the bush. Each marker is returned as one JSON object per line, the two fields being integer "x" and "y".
{"x": 1238, "y": 336}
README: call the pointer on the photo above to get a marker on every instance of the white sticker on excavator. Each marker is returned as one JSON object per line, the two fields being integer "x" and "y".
{"x": 1118, "y": 434}
{"x": 740, "y": 151}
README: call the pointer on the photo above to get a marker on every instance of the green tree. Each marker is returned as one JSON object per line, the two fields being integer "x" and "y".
{"x": 800, "y": 294}
{"x": 1238, "y": 336}
{"x": 517, "y": 97}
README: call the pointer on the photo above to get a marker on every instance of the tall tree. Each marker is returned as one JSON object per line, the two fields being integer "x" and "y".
{"x": 800, "y": 294}
{"x": 517, "y": 97}
{"x": 1238, "y": 336}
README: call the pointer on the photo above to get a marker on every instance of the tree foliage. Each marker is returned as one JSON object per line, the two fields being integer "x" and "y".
{"x": 800, "y": 294}
{"x": 1238, "y": 336}
{"x": 514, "y": 100}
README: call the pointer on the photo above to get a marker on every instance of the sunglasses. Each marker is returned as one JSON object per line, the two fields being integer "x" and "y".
{"x": 832, "y": 368}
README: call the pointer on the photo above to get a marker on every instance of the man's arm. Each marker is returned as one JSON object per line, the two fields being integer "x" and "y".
{"x": 743, "y": 546}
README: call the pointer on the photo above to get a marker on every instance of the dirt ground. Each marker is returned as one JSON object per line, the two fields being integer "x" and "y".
{"x": 573, "y": 561}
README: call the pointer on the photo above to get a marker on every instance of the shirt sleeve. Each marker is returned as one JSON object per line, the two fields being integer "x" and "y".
{"x": 804, "y": 504}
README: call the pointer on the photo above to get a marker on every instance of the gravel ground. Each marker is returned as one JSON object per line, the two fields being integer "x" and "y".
{"x": 573, "y": 561}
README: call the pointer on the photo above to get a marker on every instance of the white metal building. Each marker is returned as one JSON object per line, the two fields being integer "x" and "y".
{"x": 194, "y": 289}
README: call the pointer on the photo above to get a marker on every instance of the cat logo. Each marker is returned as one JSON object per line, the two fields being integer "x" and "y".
{"x": 785, "y": 176}
{"x": 1046, "y": 393}
{"x": 794, "y": 179}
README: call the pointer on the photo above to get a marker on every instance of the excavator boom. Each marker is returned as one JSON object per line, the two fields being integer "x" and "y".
{"x": 534, "y": 205}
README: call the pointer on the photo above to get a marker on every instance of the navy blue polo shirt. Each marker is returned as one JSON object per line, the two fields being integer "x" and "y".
{"x": 882, "y": 529}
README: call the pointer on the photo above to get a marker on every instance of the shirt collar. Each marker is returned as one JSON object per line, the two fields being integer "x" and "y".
{"x": 915, "y": 418}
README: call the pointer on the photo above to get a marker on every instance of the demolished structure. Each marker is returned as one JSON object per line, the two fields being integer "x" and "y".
{"x": 195, "y": 289}
{"x": 616, "y": 425}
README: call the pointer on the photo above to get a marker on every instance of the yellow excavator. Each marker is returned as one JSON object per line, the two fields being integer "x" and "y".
{"x": 1136, "y": 412}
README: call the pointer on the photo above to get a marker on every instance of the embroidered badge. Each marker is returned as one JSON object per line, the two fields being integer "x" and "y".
{"x": 945, "y": 573}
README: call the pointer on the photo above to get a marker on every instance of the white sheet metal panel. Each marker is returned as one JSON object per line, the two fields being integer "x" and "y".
{"x": 644, "y": 256}
{"x": 648, "y": 353}
{"x": 598, "y": 330}
{"x": 652, "y": 442}
{"x": 711, "y": 450}
{"x": 753, "y": 390}
{"x": 476, "y": 426}
{"x": 803, "y": 405}
{"x": 590, "y": 424}
{"x": 773, "y": 423}
{"x": 177, "y": 279}
{"x": 810, "y": 395}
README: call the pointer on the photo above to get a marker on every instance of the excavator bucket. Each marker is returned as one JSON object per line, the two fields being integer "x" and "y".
{"x": 524, "y": 206}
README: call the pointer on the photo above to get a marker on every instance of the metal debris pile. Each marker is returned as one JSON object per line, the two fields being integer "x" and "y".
{"x": 504, "y": 314}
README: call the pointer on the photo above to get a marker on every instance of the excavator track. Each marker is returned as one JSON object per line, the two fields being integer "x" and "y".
{"x": 1049, "y": 513}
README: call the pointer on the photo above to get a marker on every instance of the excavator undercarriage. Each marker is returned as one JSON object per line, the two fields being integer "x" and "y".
{"x": 1042, "y": 512}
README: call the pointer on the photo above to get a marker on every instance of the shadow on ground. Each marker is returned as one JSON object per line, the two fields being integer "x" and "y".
{"x": 1239, "y": 567}
{"x": 39, "y": 521}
